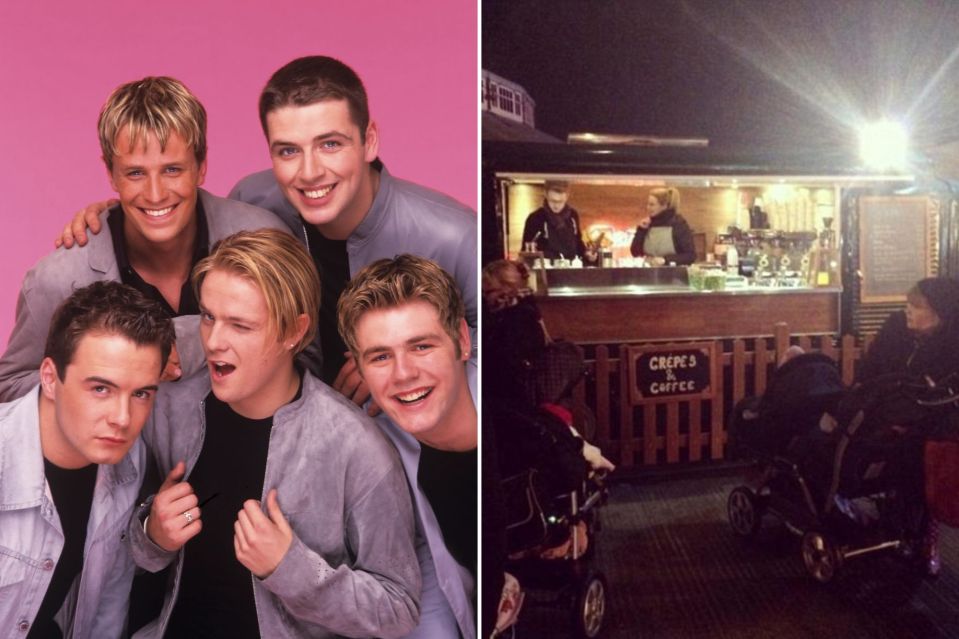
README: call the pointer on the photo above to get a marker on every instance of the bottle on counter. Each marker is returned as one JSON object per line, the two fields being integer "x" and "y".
{"x": 732, "y": 259}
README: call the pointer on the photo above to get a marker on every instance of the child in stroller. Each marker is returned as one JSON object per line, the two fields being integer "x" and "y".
{"x": 842, "y": 468}
{"x": 552, "y": 495}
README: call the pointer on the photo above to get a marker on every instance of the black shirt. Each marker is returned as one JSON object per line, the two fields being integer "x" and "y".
{"x": 72, "y": 491}
{"x": 188, "y": 302}
{"x": 449, "y": 481}
{"x": 216, "y": 590}
{"x": 333, "y": 265}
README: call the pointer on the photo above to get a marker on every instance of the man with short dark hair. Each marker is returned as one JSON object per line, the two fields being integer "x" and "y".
{"x": 71, "y": 465}
{"x": 554, "y": 228}
{"x": 330, "y": 187}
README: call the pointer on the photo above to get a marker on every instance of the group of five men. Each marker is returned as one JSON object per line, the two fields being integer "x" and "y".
{"x": 278, "y": 506}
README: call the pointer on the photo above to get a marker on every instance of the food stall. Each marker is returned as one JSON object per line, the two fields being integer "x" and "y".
{"x": 808, "y": 249}
{"x": 795, "y": 224}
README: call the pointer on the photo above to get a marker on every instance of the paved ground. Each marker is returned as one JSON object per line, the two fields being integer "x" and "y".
{"x": 675, "y": 571}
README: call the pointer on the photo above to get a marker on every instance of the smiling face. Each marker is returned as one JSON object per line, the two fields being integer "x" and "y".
{"x": 416, "y": 372}
{"x": 251, "y": 369}
{"x": 323, "y": 165}
{"x": 102, "y": 402}
{"x": 157, "y": 189}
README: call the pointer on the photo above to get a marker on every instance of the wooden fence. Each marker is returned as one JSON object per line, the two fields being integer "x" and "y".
{"x": 682, "y": 430}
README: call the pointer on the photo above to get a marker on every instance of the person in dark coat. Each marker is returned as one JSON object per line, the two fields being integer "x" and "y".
{"x": 664, "y": 234}
{"x": 921, "y": 341}
{"x": 554, "y": 228}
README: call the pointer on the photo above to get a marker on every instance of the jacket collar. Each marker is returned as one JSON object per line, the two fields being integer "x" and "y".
{"x": 21, "y": 458}
{"x": 376, "y": 216}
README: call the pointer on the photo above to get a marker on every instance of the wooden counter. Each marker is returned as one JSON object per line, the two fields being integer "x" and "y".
{"x": 673, "y": 313}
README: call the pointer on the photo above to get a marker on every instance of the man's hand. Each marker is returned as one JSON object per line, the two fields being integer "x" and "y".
{"x": 261, "y": 542}
{"x": 76, "y": 230}
{"x": 174, "y": 515}
{"x": 172, "y": 372}
{"x": 350, "y": 383}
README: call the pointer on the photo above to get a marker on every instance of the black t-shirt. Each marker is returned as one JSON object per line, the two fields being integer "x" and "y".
{"x": 188, "y": 302}
{"x": 449, "y": 481}
{"x": 72, "y": 491}
{"x": 333, "y": 265}
{"x": 216, "y": 590}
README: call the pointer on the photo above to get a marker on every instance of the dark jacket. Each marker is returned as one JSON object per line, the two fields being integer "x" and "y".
{"x": 682, "y": 238}
{"x": 551, "y": 239}
{"x": 896, "y": 349}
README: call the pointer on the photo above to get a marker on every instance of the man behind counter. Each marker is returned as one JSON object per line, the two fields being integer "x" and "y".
{"x": 554, "y": 228}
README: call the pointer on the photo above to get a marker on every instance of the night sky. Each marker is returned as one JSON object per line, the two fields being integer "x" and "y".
{"x": 777, "y": 74}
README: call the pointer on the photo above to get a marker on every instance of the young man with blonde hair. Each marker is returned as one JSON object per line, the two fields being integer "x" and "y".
{"x": 284, "y": 511}
{"x": 153, "y": 139}
{"x": 403, "y": 321}
{"x": 71, "y": 465}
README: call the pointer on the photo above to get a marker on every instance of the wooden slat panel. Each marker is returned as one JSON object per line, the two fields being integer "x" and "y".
{"x": 672, "y": 432}
{"x": 602, "y": 394}
{"x": 649, "y": 434}
{"x": 695, "y": 430}
{"x": 848, "y": 358}
{"x": 579, "y": 391}
{"x": 781, "y": 338}
{"x": 717, "y": 425}
{"x": 625, "y": 411}
{"x": 739, "y": 370}
{"x": 759, "y": 365}
{"x": 805, "y": 343}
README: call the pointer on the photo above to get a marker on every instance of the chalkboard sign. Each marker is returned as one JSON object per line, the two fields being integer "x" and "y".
{"x": 671, "y": 371}
{"x": 895, "y": 246}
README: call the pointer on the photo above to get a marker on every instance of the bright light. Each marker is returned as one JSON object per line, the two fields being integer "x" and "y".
{"x": 882, "y": 145}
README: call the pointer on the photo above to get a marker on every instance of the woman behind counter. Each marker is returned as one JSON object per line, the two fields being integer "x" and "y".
{"x": 664, "y": 233}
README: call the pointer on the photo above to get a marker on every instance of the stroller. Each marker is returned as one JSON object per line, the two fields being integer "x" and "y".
{"x": 552, "y": 497}
{"x": 839, "y": 467}
{"x": 553, "y": 512}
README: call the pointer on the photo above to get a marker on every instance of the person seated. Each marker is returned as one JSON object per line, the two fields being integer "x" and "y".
{"x": 515, "y": 333}
{"x": 920, "y": 342}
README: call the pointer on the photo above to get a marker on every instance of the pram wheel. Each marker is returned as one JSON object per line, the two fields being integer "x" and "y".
{"x": 589, "y": 610}
{"x": 745, "y": 512}
{"x": 821, "y": 556}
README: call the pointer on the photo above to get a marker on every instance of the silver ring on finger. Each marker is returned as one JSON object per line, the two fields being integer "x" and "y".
{"x": 189, "y": 516}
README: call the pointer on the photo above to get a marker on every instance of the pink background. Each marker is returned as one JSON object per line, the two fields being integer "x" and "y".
{"x": 59, "y": 60}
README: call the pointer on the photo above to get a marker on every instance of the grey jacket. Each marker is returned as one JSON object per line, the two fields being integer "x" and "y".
{"x": 351, "y": 569}
{"x": 57, "y": 275}
{"x": 404, "y": 218}
{"x": 31, "y": 538}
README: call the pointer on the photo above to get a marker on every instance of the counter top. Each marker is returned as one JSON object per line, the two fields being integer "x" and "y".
{"x": 672, "y": 291}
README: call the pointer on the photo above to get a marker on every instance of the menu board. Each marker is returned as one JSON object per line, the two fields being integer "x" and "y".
{"x": 894, "y": 246}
